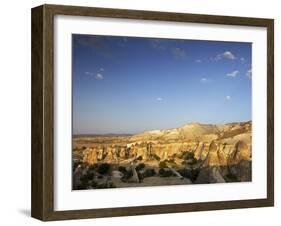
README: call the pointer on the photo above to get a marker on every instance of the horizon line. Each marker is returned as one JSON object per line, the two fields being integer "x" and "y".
{"x": 130, "y": 134}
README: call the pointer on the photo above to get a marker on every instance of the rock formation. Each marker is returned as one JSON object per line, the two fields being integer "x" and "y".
{"x": 218, "y": 153}
{"x": 210, "y": 175}
{"x": 216, "y": 145}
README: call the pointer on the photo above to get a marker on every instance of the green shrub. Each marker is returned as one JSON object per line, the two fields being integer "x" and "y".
{"x": 100, "y": 176}
{"x": 191, "y": 174}
{"x": 93, "y": 167}
{"x": 139, "y": 158}
{"x": 165, "y": 172}
{"x": 94, "y": 184}
{"x": 231, "y": 178}
{"x": 103, "y": 168}
{"x": 122, "y": 169}
{"x": 163, "y": 164}
{"x": 85, "y": 181}
{"x": 127, "y": 175}
{"x": 150, "y": 172}
{"x": 189, "y": 158}
{"x": 140, "y": 176}
{"x": 140, "y": 166}
{"x": 188, "y": 155}
{"x": 88, "y": 176}
{"x": 156, "y": 157}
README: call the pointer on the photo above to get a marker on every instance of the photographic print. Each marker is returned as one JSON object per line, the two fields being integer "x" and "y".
{"x": 148, "y": 112}
{"x": 158, "y": 112}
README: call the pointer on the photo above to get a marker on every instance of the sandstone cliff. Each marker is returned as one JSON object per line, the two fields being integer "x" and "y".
{"x": 194, "y": 153}
{"x": 211, "y": 144}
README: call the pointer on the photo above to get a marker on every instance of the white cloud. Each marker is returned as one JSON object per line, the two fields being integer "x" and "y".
{"x": 159, "y": 99}
{"x": 228, "y": 97}
{"x": 204, "y": 80}
{"x": 233, "y": 74}
{"x": 89, "y": 73}
{"x": 226, "y": 55}
{"x": 99, "y": 76}
{"x": 178, "y": 52}
{"x": 157, "y": 44}
{"x": 229, "y": 55}
{"x": 249, "y": 73}
{"x": 242, "y": 59}
{"x": 198, "y": 61}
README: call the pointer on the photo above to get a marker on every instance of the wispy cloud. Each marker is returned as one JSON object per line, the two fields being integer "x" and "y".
{"x": 204, "y": 80}
{"x": 157, "y": 44}
{"x": 232, "y": 74}
{"x": 97, "y": 43}
{"x": 89, "y": 73}
{"x": 159, "y": 99}
{"x": 226, "y": 55}
{"x": 90, "y": 41}
{"x": 99, "y": 76}
{"x": 242, "y": 59}
{"x": 178, "y": 52}
{"x": 198, "y": 61}
{"x": 228, "y": 97}
{"x": 249, "y": 73}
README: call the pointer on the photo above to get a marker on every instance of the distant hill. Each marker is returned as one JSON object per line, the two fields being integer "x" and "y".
{"x": 103, "y": 135}
{"x": 196, "y": 131}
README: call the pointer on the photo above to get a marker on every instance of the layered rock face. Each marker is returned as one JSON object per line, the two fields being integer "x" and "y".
{"x": 213, "y": 145}
{"x": 192, "y": 154}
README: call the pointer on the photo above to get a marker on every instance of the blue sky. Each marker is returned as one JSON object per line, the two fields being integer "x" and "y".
{"x": 131, "y": 84}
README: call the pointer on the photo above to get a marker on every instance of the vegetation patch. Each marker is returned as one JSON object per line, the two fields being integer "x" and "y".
{"x": 106, "y": 185}
{"x": 103, "y": 168}
{"x": 231, "y": 178}
{"x": 189, "y": 158}
{"x": 165, "y": 172}
{"x": 139, "y": 158}
{"x": 150, "y": 172}
{"x": 93, "y": 166}
{"x": 156, "y": 157}
{"x": 122, "y": 169}
{"x": 85, "y": 181}
{"x": 140, "y": 166}
{"x": 163, "y": 164}
{"x": 191, "y": 174}
{"x": 127, "y": 175}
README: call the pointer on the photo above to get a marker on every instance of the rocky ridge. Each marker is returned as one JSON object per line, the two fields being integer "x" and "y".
{"x": 215, "y": 145}
{"x": 213, "y": 153}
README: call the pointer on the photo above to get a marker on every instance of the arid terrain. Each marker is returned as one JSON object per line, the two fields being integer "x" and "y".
{"x": 192, "y": 154}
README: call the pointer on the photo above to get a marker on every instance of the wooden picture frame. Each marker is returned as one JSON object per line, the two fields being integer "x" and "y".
{"x": 43, "y": 110}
